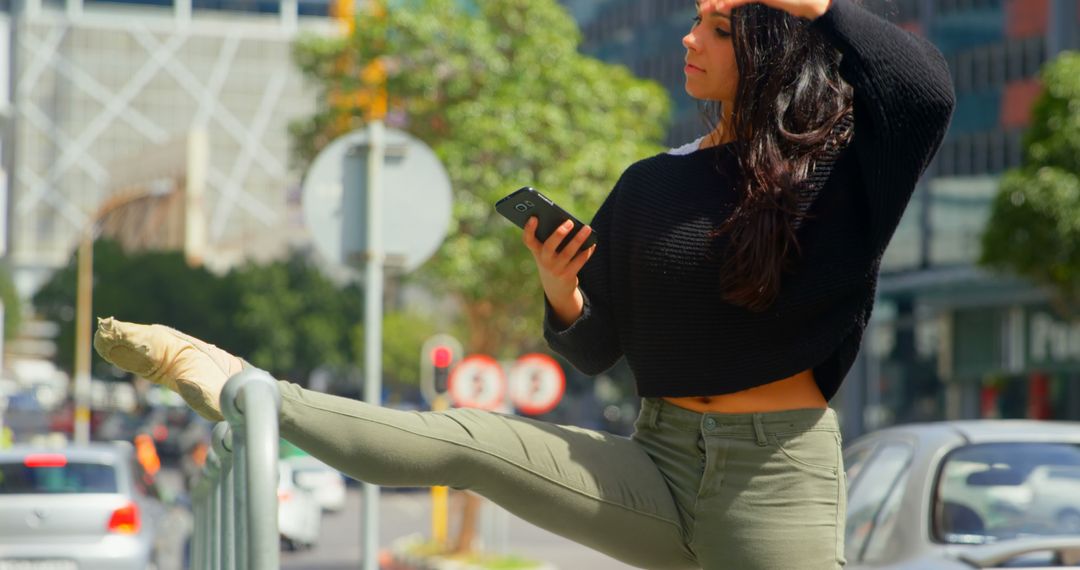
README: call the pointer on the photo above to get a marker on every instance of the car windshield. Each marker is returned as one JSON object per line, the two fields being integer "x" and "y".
{"x": 20, "y": 478}
{"x": 995, "y": 491}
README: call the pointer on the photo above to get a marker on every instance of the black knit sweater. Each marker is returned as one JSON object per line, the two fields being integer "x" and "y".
{"x": 652, "y": 288}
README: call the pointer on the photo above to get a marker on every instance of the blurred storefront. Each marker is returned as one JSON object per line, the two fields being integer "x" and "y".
{"x": 971, "y": 345}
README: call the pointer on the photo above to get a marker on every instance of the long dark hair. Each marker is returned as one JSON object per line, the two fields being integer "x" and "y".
{"x": 791, "y": 111}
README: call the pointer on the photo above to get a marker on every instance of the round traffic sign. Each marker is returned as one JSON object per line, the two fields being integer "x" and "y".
{"x": 537, "y": 383}
{"x": 477, "y": 382}
{"x": 416, "y": 199}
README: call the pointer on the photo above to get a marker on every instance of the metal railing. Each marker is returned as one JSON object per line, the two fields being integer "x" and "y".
{"x": 235, "y": 501}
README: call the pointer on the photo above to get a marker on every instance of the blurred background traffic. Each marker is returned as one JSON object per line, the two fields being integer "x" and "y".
{"x": 164, "y": 144}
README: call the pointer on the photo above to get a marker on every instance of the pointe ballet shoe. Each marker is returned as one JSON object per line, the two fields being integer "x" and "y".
{"x": 182, "y": 363}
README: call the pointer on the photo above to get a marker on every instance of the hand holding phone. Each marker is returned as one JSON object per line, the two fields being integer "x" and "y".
{"x": 560, "y": 244}
{"x": 527, "y": 202}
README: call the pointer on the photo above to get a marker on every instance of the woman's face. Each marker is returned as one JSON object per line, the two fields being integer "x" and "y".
{"x": 711, "y": 72}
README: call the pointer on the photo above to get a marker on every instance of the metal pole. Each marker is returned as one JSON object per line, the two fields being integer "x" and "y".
{"x": 202, "y": 552}
{"x": 240, "y": 498}
{"x": 195, "y": 546}
{"x": 83, "y": 300}
{"x": 251, "y": 400}
{"x": 220, "y": 437}
{"x": 213, "y": 546}
{"x": 373, "y": 287}
{"x": 440, "y": 495}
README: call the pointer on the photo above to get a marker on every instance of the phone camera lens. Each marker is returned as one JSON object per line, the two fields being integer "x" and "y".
{"x": 521, "y": 207}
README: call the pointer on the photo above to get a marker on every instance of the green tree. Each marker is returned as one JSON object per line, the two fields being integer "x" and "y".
{"x": 1034, "y": 225}
{"x": 148, "y": 287}
{"x": 404, "y": 333}
{"x": 291, "y": 318}
{"x": 498, "y": 89}
{"x": 12, "y": 303}
{"x": 283, "y": 316}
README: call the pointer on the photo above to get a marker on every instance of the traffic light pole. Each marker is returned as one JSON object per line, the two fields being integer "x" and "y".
{"x": 438, "y": 355}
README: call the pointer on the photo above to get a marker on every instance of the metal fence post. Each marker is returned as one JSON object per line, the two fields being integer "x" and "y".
{"x": 221, "y": 439}
{"x": 235, "y": 500}
{"x": 240, "y": 503}
{"x": 197, "y": 545}
{"x": 250, "y": 403}
{"x": 213, "y": 476}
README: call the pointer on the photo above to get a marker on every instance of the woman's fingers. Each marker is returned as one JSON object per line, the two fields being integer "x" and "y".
{"x": 529, "y": 237}
{"x": 809, "y": 9}
{"x": 579, "y": 260}
{"x": 561, "y": 259}
{"x": 547, "y": 253}
{"x": 556, "y": 238}
{"x": 569, "y": 253}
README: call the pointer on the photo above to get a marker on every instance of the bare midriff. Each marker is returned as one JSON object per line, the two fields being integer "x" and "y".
{"x": 792, "y": 393}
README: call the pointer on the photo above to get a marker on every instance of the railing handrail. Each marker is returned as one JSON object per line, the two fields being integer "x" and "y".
{"x": 235, "y": 499}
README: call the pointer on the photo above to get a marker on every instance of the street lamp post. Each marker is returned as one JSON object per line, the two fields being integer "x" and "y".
{"x": 84, "y": 304}
{"x": 83, "y": 298}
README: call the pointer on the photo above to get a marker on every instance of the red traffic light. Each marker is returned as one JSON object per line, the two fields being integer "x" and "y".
{"x": 442, "y": 356}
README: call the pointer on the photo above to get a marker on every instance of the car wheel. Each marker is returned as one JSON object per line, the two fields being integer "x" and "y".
{"x": 1069, "y": 521}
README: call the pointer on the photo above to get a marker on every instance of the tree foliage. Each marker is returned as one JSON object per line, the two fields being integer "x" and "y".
{"x": 285, "y": 317}
{"x": 1034, "y": 226}
{"x": 404, "y": 333}
{"x": 12, "y": 304}
{"x": 142, "y": 287}
{"x": 498, "y": 89}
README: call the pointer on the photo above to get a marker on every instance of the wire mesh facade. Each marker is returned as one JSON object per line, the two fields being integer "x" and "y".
{"x": 93, "y": 87}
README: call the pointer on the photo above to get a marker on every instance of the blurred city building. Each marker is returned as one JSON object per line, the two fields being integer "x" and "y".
{"x": 948, "y": 340}
{"x": 162, "y": 122}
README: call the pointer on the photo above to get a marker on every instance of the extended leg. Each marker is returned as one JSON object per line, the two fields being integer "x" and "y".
{"x": 597, "y": 489}
{"x": 594, "y": 488}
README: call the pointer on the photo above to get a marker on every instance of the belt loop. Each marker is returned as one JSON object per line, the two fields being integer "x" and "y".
{"x": 759, "y": 431}
{"x": 653, "y": 413}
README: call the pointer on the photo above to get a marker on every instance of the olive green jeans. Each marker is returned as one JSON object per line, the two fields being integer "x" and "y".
{"x": 686, "y": 490}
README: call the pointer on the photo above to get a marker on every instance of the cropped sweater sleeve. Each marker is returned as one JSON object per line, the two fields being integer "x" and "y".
{"x": 903, "y": 102}
{"x": 591, "y": 343}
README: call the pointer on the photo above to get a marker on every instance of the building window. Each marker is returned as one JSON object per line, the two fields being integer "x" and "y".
{"x": 1014, "y": 143}
{"x": 998, "y": 151}
{"x": 1034, "y": 55}
{"x": 946, "y": 159}
{"x": 1014, "y": 64}
{"x": 997, "y": 65}
{"x": 964, "y": 65}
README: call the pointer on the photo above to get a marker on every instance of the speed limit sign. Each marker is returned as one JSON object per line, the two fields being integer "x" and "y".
{"x": 477, "y": 382}
{"x": 537, "y": 384}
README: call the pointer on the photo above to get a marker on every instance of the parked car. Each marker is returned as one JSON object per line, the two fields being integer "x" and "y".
{"x": 1056, "y": 497}
{"x": 326, "y": 484}
{"x": 963, "y": 495}
{"x": 74, "y": 508}
{"x": 299, "y": 515}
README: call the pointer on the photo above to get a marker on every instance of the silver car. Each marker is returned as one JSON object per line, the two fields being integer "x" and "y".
{"x": 74, "y": 508}
{"x": 963, "y": 495}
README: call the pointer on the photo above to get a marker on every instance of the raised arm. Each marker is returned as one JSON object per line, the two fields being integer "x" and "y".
{"x": 903, "y": 98}
{"x": 903, "y": 102}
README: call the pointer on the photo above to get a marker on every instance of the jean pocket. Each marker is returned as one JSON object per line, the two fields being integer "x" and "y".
{"x": 815, "y": 450}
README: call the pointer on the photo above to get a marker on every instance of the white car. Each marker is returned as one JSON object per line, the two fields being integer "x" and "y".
{"x": 1056, "y": 500}
{"x": 962, "y": 495}
{"x": 325, "y": 483}
{"x": 299, "y": 515}
{"x": 76, "y": 508}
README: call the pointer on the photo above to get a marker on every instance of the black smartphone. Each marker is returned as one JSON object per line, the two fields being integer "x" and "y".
{"x": 527, "y": 202}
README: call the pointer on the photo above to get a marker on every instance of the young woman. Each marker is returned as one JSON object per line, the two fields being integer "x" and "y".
{"x": 735, "y": 274}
